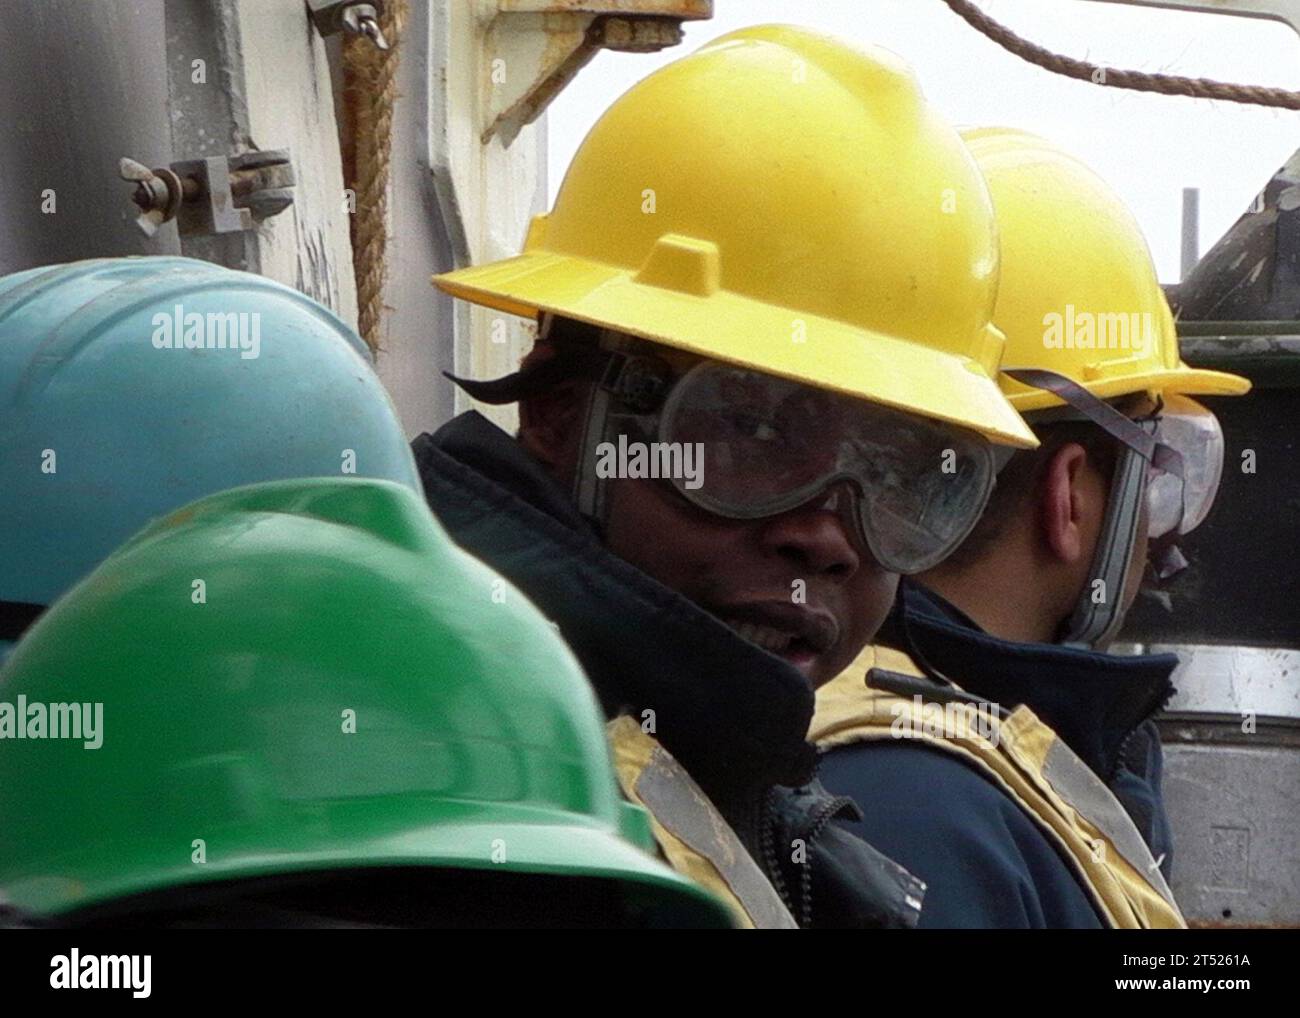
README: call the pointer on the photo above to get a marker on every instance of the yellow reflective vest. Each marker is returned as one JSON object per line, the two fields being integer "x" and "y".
{"x": 697, "y": 842}
{"x": 1019, "y": 754}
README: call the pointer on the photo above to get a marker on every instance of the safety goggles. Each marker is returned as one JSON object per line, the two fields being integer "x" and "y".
{"x": 1181, "y": 442}
{"x": 1177, "y": 503}
{"x": 770, "y": 445}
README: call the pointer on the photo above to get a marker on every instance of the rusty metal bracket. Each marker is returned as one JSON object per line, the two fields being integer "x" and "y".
{"x": 218, "y": 194}
{"x": 333, "y": 16}
{"x": 531, "y": 49}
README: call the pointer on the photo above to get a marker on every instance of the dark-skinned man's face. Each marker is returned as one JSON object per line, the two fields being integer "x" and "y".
{"x": 747, "y": 572}
{"x": 800, "y": 584}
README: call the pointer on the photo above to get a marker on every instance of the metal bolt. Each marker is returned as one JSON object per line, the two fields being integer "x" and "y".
{"x": 333, "y": 16}
{"x": 361, "y": 19}
{"x": 220, "y": 194}
{"x": 158, "y": 193}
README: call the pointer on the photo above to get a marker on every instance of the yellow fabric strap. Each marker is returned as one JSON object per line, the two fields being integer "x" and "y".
{"x": 693, "y": 836}
{"x": 1025, "y": 759}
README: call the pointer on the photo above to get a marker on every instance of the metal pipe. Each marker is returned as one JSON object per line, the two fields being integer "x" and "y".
{"x": 1191, "y": 230}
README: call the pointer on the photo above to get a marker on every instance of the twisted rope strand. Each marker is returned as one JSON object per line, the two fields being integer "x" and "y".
{"x": 1165, "y": 84}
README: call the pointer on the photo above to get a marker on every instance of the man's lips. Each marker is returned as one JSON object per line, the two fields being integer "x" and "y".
{"x": 779, "y": 627}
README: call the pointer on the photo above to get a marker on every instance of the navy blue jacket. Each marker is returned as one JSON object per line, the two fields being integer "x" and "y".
{"x": 733, "y": 715}
{"x": 985, "y": 860}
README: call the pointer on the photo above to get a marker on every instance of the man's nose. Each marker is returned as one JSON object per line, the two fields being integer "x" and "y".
{"x": 819, "y": 536}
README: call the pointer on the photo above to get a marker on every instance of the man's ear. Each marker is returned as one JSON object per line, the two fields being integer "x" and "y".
{"x": 1063, "y": 506}
{"x": 549, "y": 422}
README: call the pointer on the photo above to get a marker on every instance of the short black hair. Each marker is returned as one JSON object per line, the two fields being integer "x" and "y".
{"x": 1020, "y": 479}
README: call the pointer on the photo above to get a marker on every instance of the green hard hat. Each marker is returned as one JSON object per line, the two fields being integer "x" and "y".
{"x": 300, "y": 677}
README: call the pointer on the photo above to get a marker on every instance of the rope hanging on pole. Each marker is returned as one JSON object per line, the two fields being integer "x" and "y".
{"x": 370, "y": 91}
{"x": 1099, "y": 74}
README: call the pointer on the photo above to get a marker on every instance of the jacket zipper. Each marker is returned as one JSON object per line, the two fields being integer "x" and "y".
{"x": 821, "y": 817}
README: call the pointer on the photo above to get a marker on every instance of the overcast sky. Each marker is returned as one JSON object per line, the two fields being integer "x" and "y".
{"x": 1149, "y": 147}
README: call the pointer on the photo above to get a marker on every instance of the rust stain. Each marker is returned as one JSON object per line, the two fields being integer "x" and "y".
{"x": 687, "y": 9}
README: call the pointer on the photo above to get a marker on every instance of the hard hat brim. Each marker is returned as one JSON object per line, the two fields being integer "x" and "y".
{"x": 1181, "y": 381}
{"x": 730, "y": 327}
{"x": 550, "y": 846}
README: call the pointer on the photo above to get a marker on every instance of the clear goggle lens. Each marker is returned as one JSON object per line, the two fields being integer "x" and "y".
{"x": 771, "y": 445}
{"x": 1181, "y": 503}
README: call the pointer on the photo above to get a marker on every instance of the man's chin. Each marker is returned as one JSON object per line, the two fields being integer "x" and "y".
{"x": 816, "y": 668}
{"x": 807, "y": 663}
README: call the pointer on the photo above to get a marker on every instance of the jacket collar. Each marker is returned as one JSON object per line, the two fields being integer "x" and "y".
{"x": 735, "y": 716}
{"x": 1092, "y": 700}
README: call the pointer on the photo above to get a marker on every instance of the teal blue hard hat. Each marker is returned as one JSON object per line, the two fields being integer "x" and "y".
{"x": 131, "y": 386}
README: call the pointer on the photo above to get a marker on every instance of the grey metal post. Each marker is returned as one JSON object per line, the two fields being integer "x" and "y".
{"x": 81, "y": 85}
{"x": 1191, "y": 230}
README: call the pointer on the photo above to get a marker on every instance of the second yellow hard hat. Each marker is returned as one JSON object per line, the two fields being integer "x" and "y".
{"x": 1078, "y": 292}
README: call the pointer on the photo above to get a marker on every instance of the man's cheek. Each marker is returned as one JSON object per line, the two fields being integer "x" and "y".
{"x": 643, "y": 528}
{"x": 879, "y": 602}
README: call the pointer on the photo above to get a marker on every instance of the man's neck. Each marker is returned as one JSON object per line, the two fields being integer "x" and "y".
{"x": 1001, "y": 600}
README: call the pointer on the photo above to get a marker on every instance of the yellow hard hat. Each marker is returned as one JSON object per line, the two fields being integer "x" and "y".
{"x": 784, "y": 201}
{"x": 1078, "y": 293}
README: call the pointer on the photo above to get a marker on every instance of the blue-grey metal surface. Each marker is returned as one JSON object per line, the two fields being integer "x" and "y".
{"x": 81, "y": 85}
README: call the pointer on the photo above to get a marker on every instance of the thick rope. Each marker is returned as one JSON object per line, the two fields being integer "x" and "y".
{"x": 1099, "y": 74}
{"x": 370, "y": 92}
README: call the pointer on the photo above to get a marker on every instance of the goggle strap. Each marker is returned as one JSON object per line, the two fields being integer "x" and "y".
{"x": 1102, "y": 414}
{"x": 1168, "y": 459}
{"x": 639, "y": 382}
{"x": 1092, "y": 622}
{"x": 588, "y": 488}
{"x": 624, "y": 378}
